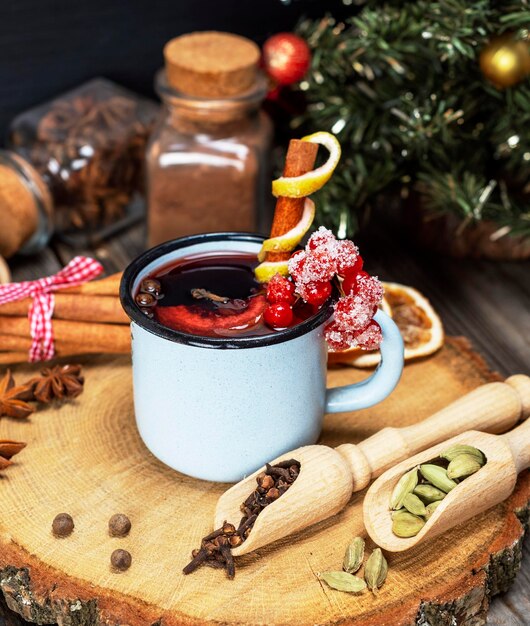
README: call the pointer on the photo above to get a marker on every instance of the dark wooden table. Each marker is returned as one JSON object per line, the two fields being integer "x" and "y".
{"x": 488, "y": 302}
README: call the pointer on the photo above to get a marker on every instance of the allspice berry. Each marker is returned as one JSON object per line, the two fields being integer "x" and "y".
{"x": 62, "y": 525}
{"x": 121, "y": 560}
{"x": 119, "y": 525}
{"x": 145, "y": 299}
{"x": 150, "y": 285}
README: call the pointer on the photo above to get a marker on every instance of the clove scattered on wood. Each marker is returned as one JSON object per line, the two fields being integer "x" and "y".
{"x": 215, "y": 550}
{"x": 204, "y": 294}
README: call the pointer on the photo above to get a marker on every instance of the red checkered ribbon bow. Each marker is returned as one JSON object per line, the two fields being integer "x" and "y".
{"x": 80, "y": 270}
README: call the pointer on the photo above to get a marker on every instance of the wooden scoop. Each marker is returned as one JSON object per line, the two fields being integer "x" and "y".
{"x": 329, "y": 476}
{"x": 506, "y": 456}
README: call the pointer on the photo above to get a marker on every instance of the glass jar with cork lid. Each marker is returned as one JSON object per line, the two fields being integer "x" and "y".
{"x": 208, "y": 156}
{"x": 87, "y": 147}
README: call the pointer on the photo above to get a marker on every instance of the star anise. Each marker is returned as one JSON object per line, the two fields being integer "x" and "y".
{"x": 12, "y": 397}
{"x": 8, "y": 449}
{"x": 57, "y": 383}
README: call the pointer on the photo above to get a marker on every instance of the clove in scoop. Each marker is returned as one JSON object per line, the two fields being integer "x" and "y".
{"x": 215, "y": 550}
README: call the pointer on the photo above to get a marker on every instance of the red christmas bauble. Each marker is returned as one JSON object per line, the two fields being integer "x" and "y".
{"x": 286, "y": 58}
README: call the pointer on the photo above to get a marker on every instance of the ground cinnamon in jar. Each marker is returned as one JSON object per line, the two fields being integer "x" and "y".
{"x": 207, "y": 161}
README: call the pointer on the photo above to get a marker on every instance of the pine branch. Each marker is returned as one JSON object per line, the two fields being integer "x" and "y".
{"x": 400, "y": 84}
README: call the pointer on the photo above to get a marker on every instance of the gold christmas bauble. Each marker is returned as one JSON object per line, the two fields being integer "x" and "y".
{"x": 505, "y": 60}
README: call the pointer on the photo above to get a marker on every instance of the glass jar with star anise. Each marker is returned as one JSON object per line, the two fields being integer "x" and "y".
{"x": 88, "y": 147}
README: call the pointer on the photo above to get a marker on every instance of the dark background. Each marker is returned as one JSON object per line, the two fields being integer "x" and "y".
{"x": 50, "y": 46}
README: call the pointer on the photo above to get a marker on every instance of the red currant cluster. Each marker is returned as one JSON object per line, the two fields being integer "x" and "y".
{"x": 281, "y": 297}
{"x": 313, "y": 269}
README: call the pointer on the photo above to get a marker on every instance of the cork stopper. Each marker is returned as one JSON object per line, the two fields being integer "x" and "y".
{"x": 211, "y": 64}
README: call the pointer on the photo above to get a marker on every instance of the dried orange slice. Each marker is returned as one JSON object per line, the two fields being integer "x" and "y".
{"x": 418, "y": 322}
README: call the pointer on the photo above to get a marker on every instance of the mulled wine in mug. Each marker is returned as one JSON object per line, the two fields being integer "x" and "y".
{"x": 217, "y": 391}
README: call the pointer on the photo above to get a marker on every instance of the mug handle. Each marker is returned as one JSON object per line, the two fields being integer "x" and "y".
{"x": 381, "y": 383}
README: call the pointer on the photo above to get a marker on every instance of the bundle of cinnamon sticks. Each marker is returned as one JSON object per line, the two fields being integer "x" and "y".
{"x": 86, "y": 319}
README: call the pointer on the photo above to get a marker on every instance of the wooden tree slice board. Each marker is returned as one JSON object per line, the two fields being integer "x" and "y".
{"x": 86, "y": 458}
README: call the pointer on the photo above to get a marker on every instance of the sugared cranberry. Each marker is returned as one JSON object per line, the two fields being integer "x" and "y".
{"x": 370, "y": 337}
{"x": 336, "y": 338}
{"x": 353, "y": 313}
{"x": 278, "y": 315}
{"x": 319, "y": 266}
{"x": 280, "y": 289}
{"x": 322, "y": 237}
{"x": 349, "y": 284}
{"x": 296, "y": 264}
{"x": 351, "y": 270}
{"x": 317, "y": 293}
{"x": 347, "y": 255}
{"x": 370, "y": 288}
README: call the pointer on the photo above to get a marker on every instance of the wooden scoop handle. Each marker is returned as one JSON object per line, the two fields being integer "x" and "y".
{"x": 493, "y": 408}
{"x": 519, "y": 441}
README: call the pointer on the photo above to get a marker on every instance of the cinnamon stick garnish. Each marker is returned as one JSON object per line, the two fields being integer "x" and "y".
{"x": 299, "y": 160}
{"x": 76, "y": 307}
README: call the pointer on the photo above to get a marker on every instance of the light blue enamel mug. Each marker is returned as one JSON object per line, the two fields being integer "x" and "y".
{"x": 219, "y": 408}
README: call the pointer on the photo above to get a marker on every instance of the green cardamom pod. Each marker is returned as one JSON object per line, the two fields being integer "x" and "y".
{"x": 375, "y": 570}
{"x": 463, "y": 465}
{"x": 342, "y": 581}
{"x": 353, "y": 559}
{"x": 430, "y": 508}
{"x": 413, "y": 504}
{"x": 404, "y": 486}
{"x": 404, "y": 524}
{"x": 438, "y": 477}
{"x": 460, "y": 448}
{"x": 428, "y": 493}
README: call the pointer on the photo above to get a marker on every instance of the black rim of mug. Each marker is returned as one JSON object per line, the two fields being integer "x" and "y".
{"x": 151, "y": 325}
